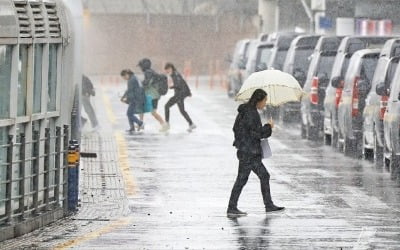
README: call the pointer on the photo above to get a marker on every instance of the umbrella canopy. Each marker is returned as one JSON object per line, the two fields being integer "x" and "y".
{"x": 281, "y": 87}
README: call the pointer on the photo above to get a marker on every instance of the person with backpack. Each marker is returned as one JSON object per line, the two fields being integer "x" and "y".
{"x": 87, "y": 92}
{"x": 182, "y": 91}
{"x": 135, "y": 98}
{"x": 154, "y": 85}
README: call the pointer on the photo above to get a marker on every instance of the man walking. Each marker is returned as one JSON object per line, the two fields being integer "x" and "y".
{"x": 87, "y": 92}
{"x": 182, "y": 91}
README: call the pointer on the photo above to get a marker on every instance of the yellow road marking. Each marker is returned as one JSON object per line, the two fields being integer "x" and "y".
{"x": 93, "y": 235}
{"x": 129, "y": 183}
{"x": 108, "y": 108}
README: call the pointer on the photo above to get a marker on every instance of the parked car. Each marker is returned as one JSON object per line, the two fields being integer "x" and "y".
{"x": 391, "y": 121}
{"x": 358, "y": 78}
{"x": 258, "y": 58}
{"x": 237, "y": 65}
{"x": 247, "y": 57}
{"x": 347, "y": 48}
{"x": 375, "y": 105}
{"x": 319, "y": 73}
{"x": 296, "y": 63}
{"x": 281, "y": 43}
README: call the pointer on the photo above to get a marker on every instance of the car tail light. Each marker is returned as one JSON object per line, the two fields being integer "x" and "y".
{"x": 384, "y": 102}
{"x": 339, "y": 93}
{"x": 355, "y": 98}
{"x": 314, "y": 91}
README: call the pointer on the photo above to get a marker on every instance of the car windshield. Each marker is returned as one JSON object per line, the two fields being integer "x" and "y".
{"x": 368, "y": 67}
{"x": 279, "y": 59}
{"x": 264, "y": 55}
{"x": 302, "y": 59}
{"x": 325, "y": 65}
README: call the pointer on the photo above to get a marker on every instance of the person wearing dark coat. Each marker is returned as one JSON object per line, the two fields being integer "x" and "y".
{"x": 249, "y": 131}
{"x": 150, "y": 89}
{"x": 87, "y": 92}
{"x": 182, "y": 91}
{"x": 135, "y": 98}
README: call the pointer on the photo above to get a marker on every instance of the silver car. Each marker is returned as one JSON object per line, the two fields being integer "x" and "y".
{"x": 375, "y": 105}
{"x": 391, "y": 122}
{"x": 358, "y": 78}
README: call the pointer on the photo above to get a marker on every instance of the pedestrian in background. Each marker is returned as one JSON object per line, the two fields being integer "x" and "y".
{"x": 182, "y": 91}
{"x": 249, "y": 131}
{"x": 88, "y": 91}
{"x": 135, "y": 98}
{"x": 151, "y": 88}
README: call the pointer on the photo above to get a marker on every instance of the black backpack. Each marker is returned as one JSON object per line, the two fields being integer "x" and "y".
{"x": 160, "y": 81}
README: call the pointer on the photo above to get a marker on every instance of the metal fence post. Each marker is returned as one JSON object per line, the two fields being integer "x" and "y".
{"x": 22, "y": 175}
{"x": 9, "y": 177}
{"x": 46, "y": 168}
{"x": 35, "y": 169}
{"x": 65, "y": 168}
{"x": 57, "y": 163}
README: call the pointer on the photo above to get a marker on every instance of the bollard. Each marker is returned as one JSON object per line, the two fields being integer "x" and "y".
{"x": 72, "y": 178}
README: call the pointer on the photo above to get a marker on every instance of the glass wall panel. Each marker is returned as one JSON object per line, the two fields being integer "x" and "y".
{"x": 37, "y": 82}
{"x": 52, "y": 82}
{"x": 22, "y": 79}
{"x": 5, "y": 80}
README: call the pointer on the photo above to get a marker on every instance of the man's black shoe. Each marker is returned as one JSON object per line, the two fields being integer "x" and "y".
{"x": 273, "y": 208}
{"x": 235, "y": 212}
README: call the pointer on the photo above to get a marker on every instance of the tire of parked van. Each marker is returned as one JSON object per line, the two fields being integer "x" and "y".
{"x": 394, "y": 163}
{"x": 327, "y": 139}
{"x": 378, "y": 152}
{"x": 312, "y": 133}
{"x": 303, "y": 131}
{"x": 367, "y": 153}
{"x": 348, "y": 146}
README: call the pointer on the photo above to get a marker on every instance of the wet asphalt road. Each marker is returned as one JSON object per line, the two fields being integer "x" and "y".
{"x": 177, "y": 187}
{"x": 182, "y": 183}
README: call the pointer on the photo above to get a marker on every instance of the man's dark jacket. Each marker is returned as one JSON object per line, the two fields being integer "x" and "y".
{"x": 249, "y": 130}
{"x": 180, "y": 86}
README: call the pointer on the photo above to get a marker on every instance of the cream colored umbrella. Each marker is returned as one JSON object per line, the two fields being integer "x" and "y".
{"x": 281, "y": 87}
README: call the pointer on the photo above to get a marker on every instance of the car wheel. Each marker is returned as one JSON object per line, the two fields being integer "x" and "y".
{"x": 312, "y": 133}
{"x": 367, "y": 153}
{"x": 378, "y": 152}
{"x": 303, "y": 131}
{"x": 358, "y": 146}
{"x": 348, "y": 146}
{"x": 327, "y": 139}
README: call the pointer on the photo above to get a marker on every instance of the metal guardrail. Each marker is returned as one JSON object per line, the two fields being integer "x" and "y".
{"x": 48, "y": 178}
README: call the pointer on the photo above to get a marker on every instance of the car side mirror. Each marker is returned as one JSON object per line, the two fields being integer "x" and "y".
{"x": 337, "y": 82}
{"x": 381, "y": 89}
